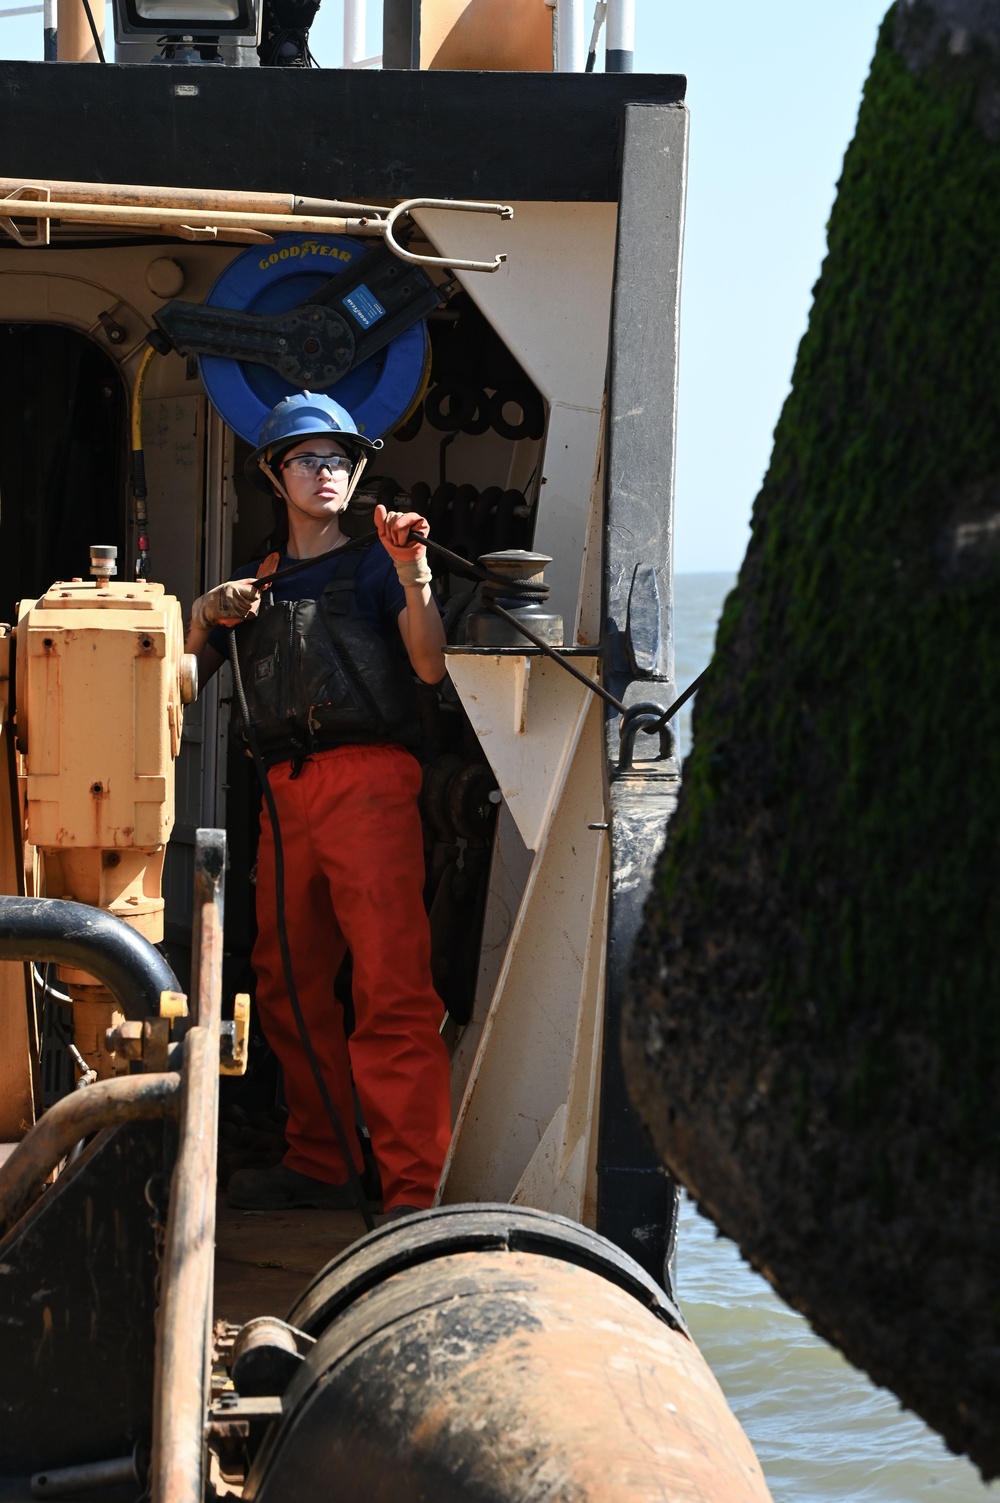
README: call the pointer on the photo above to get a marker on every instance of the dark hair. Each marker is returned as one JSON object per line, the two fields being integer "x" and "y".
{"x": 276, "y": 540}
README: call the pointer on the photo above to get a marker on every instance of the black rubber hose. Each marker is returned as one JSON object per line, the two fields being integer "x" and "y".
{"x": 94, "y": 32}
{"x": 285, "y": 948}
{"x": 88, "y": 939}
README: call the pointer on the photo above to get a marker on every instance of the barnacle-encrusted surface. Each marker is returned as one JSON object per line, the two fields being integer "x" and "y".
{"x": 814, "y": 1035}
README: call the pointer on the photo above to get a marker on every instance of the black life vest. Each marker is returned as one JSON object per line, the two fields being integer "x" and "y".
{"x": 316, "y": 674}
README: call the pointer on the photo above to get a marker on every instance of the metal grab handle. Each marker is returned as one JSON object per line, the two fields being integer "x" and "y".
{"x": 466, "y": 206}
{"x": 88, "y": 939}
{"x": 35, "y": 201}
{"x": 182, "y": 1390}
{"x": 635, "y": 719}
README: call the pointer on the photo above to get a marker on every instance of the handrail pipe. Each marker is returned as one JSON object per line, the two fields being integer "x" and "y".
{"x": 88, "y": 939}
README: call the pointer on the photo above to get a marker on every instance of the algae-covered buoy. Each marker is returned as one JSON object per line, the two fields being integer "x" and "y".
{"x": 814, "y": 1037}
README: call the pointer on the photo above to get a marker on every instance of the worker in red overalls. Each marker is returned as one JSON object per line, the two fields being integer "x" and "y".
{"x": 323, "y": 659}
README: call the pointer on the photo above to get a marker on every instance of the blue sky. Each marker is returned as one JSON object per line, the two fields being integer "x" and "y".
{"x": 773, "y": 89}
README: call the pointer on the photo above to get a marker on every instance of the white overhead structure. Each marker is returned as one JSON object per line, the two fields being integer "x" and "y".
{"x": 549, "y": 302}
{"x": 571, "y": 45}
{"x": 355, "y": 24}
{"x": 621, "y": 36}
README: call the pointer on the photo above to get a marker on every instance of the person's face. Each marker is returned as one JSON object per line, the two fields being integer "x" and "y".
{"x": 318, "y": 489}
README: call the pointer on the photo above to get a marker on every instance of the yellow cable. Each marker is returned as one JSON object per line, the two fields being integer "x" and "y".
{"x": 137, "y": 390}
{"x": 139, "y": 467}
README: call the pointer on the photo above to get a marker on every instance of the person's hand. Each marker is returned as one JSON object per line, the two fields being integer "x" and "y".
{"x": 227, "y": 605}
{"x": 394, "y": 529}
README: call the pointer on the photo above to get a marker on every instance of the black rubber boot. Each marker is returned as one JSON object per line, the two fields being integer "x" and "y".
{"x": 282, "y": 1189}
{"x": 284, "y": 41}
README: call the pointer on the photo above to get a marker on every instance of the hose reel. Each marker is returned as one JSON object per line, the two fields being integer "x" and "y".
{"x": 317, "y": 312}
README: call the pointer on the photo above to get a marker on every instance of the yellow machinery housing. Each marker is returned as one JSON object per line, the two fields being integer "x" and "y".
{"x": 102, "y": 679}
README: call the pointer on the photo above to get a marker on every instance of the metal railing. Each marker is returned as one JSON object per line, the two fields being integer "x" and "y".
{"x": 183, "y": 1357}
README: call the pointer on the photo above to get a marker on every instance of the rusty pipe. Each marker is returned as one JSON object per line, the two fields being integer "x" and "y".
{"x": 107, "y": 1103}
{"x": 145, "y": 216}
{"x": 69, "y": 1481}
{"x": 188, "y": 220}
{"x": 183, "y": 1374}
{"x": 205, "y": 200}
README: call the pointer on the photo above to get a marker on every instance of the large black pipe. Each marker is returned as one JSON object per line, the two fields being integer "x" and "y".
{"x": 450, "y": 1230}
{"x": 88, "y": 939}
{"x": 501, "y": 1354}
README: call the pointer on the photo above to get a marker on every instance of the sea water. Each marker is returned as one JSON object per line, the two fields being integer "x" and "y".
{"x": 822, "y": 1431}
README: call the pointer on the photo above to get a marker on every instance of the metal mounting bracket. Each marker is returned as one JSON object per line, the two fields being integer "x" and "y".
{"x": 29, "y": 193}
{"x": 463, "y": 206}
{"x": 307, "y": 345}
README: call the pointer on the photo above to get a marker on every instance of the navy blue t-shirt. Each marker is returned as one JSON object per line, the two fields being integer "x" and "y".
{"x": 378, "y": 594}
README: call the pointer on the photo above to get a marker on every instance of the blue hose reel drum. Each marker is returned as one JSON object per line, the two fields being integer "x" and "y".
{"x": 378, "y": 394}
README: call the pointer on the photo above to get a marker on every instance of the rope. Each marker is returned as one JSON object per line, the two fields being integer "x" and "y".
{"x": 467, "y": 570}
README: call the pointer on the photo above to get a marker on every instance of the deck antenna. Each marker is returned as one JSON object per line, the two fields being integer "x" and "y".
{"x": 600, "y": 13}
{"x": 621, "y": 36}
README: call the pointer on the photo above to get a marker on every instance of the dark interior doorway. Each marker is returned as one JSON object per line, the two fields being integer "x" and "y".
{"x": 63, "y": 452}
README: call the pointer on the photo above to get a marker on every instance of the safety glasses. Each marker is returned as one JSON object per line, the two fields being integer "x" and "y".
{"x": 308, "y": 465}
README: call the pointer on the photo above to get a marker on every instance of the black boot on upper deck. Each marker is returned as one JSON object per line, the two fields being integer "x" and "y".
{"x": 282, "y": 1189}
{"x": 284, "y": 39}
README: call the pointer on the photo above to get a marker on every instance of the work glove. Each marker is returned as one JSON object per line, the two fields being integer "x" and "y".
{"x": 227, "y": 605}
{"x": 393, "y": 528}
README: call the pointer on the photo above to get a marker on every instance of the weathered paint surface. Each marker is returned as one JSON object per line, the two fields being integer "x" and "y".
{"x": 507, "y": 1376}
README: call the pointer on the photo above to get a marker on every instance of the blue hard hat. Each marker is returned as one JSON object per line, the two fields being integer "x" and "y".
{"x": 304, "y": 415}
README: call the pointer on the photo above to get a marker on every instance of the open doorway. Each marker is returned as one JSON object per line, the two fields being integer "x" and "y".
{"x": 63, "y": 454}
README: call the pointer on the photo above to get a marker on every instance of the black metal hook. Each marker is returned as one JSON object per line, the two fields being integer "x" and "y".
{"x": 639, "y": 717}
